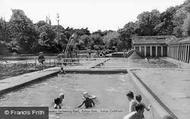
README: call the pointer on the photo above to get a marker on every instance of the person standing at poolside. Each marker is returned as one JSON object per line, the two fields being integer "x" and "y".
{"x": 139, "y": 99}
{"x": 132, "y": 102}
{"x": 136, "y": 114}
{"x": 41, "y": 58}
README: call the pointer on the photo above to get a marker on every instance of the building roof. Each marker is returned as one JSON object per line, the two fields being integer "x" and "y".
{"x": 138, "y": 40}
{"x": 186, "y": 40}
{"x": 180, "y": 41}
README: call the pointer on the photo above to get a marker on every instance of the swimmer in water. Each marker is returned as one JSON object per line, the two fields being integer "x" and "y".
{"x": 88, "y": 101}
{"x": 58, "y": 101}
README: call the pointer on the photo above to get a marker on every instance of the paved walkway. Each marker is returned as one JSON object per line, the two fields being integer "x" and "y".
{"x": 12, "y": 83}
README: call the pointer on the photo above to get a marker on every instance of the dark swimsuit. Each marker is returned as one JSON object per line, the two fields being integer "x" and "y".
{"x": 88, "y": 103}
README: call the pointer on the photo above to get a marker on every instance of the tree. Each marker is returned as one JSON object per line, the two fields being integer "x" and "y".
{"x": 166, "y": 26}
{"x": 3, "y": 48}
{"x": 99, "y": 32}
{"x": 82, "y": 31}
{"x": 69, "y": 32}
{"x": 125, "y": 35}
{"x": 178, "y": 21}
{"x": 23, "y": 31}
{"x": 40, "y": 23}
{"x": 61, "y": 42}
{"x": 84, "y": 42}
{"x": 47, "y": 38}
{"x": 111, "y": 39}
{"x": 124, "y": 40}
{"x": 186, "y": 26}
{"x": 4, "y": 34}
{"x": 97, "y": 41}
{"x": 147, "y": 21}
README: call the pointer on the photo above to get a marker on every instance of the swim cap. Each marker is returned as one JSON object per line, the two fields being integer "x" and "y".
{"x": 85, "y": 94}
{"x": 61, "y": 95}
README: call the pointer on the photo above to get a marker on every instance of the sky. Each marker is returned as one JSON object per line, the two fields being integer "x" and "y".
{"x": 94, "y": 14}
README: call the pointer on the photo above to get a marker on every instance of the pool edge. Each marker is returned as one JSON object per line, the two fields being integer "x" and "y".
{"x": 158, "y": 107}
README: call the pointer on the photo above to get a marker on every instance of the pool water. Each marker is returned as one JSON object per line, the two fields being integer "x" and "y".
{"x": 137, "y": 63}
{"x": 109, "y": 89}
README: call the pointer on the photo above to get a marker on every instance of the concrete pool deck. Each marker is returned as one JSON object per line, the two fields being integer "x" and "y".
{"x": 169, "y": 86}
{"x": 12, "y": 83}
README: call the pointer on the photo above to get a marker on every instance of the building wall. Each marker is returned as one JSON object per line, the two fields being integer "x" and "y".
{"x": 179, "y": 52}
{"x": 154, "y": 50}
{"x": 165, "y": 51}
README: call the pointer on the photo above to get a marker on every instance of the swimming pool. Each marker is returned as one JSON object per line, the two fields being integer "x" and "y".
{"x": 137, "y": 63}
{"x": 109, "y": 89}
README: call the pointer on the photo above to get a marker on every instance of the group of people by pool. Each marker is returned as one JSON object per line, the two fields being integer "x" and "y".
{"x": 136, "y": 107}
